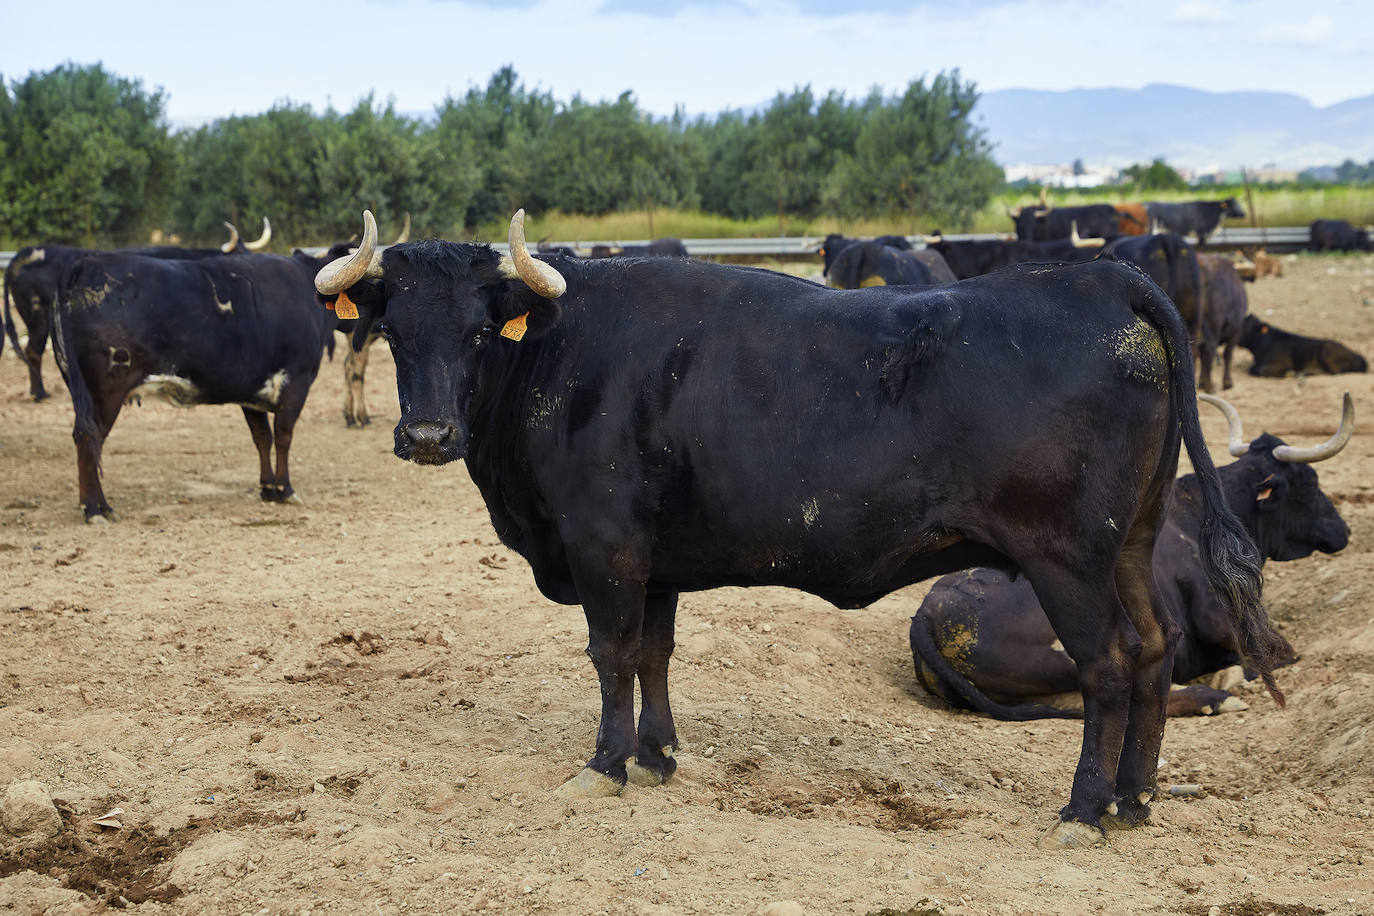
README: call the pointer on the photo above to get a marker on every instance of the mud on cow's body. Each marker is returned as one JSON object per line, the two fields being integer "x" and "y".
{"x": 668, "y": 425}
{"x": 242, "y": 329}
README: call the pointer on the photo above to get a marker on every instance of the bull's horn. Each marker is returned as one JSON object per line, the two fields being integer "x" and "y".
{"x": 1044, "y": 202}
{"x": 233, "y": 238}
{"x": 263, "y": 239}
{"x": 1330, "y": 446}
{"x": 1237, "y": 446}
{"x": 518, "y": 265}
{"x": 1014, "y": 214}
{"x": 405, "y": 232}
{"x": 932, "y": 239}
{"x": 1080, "y": 242}
{"x": 341, "y": 273}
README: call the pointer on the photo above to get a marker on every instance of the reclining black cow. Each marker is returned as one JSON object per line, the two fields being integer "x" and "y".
{"x": 875, "y": 264}
{"x": 643, "y": 427}
{"x": 1338, "y": 235}
{"x": 242, "y": 329}
{"x": 31, "y": 282}
{"x": 1278, "y": 353}
{"x": 1201, "y": 217}
{"x": 667, "y": 247}
{"x": 835, "y": 243}
{"x": 981, "y": 640}
{"x": 1225, "y": 305}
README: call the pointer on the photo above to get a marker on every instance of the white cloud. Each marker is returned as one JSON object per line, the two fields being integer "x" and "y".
{"x": 1314, "y": 32}
{"x": 1196, "y": 11}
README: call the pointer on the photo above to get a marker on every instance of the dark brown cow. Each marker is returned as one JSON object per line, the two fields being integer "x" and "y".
{"x": 1225, "y": 306}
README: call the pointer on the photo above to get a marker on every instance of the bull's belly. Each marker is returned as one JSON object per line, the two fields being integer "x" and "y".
{"x": 180, "y": 391}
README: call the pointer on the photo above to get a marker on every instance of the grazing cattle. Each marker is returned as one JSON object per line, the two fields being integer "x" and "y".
{"x": 31, "y": 283}
{"x": 981, "y": 640}
{"x": 835, "y": 243}
{"x": 1040, "y": 224}
{"x": 975, "y": 258}
{"x": 1135, "y": 219}
{"x": 874, "y": 264}
{"x": 640, "y": 428}
{"x": 1172, "y": 263}
{"x": 1338, "y": 235}
{"x": 1223, "y": 316}
{"x": 658, "y": 248}
{"x": 1278, "y": 353}
{"x": 1201, "y": 217}
{"x": 242, "y": 329}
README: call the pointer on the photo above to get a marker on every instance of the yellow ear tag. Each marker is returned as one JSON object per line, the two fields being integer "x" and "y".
{"x": 515, "y": 328}
{"x": 344, "y": 307}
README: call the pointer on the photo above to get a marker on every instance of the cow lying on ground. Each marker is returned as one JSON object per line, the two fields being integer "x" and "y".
{"x": 242, "y": 329}
{"x": 1338, "y": 235}
{"x": 1200, "y": 217}
{"x": 981, "y": 640}
{"x": 1223, "y": 316}
{"x": 1278, "y": 353}
{"x": 659, "y": 248}
{"x": 640, "y": 428}
{"x": 33, "y": 274}
{"x": 875, "y": 264}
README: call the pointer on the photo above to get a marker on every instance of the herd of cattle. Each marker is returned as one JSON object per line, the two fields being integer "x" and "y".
{"x": 1007, "y": 415}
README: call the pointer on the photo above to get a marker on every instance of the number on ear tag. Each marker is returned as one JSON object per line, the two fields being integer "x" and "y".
{"x": 344, "y": 307}
{"x": 515, "y": 328}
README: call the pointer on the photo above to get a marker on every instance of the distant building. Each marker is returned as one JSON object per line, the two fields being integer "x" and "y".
{"x": 1060, "y": 176}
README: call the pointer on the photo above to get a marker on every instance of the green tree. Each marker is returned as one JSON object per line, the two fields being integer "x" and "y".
{"x": 88, "y": 156}
{"x": 919, "y": 155}
{"x": 1156, "y": 176}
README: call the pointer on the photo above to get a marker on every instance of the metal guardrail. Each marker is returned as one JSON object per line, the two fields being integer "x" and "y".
{"x": 1278, "y": 237}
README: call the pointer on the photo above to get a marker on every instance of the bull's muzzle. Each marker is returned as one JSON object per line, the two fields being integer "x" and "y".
{"x": 429, "y": 442}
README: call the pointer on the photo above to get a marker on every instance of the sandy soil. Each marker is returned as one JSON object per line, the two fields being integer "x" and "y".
{"x": 362, "y": 704}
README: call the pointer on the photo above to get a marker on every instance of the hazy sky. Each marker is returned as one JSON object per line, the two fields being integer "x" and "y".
{"x": 242, "y": 56}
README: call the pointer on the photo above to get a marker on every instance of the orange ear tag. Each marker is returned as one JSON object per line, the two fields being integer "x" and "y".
{"x": 515, "y": 328}
{"x": 344, "y": 307}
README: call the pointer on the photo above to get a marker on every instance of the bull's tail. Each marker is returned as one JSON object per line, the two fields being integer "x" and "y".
{"x": 1230, "y": 559}
{"x": 924, "y": 649}
{"x": 65, "y": 353}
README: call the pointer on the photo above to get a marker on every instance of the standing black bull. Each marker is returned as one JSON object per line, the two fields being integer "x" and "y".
{"x": 981, "y": 640}
{"x": 33, "y": 274}
{"x": 875, "y": 264}
{"x": 243, "y": 329}
{"x": 1041, "y": 224}
{"x": 1202, "y": 217}
{"x": 660, "y": 426}
{"x": 1223, "y": 315}
{"x": 1338, "y": 235}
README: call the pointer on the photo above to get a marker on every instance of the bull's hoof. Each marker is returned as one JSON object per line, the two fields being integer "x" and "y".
{"x": 1072, "y": 835}
{"x": 97, "y": 520}
{"x": 651, "y": 773}
{"x": 292, "y": 498}
{"x": 590, "y": 784}
{"x": 1233, "y": 704}
{"x": 268, "y": 494}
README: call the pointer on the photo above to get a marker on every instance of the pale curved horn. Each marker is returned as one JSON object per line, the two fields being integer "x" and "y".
{"x": 405, "y": 232}
{"x": 931, "y": 239}
{"x": 233, "y": 238}
{"x": 341, "y": 273}
{"x": 1237, "y": 446}
{"x": 1081, "y": 242}
{"x": 263, "y": 239}
{"x": 518, "y": 265}
{"x": 1014, "y": 214}
{"x": 1328, "y": 448}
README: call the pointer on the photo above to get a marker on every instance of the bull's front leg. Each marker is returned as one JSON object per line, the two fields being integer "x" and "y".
{"x": 613, "y": 601}
{"x": 657, "y": 734}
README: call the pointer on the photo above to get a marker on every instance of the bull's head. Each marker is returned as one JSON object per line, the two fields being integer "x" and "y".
{"x": 1292, "y": 516}
{"x": 440, "y": 306}
{"x": 1230, "y": 207}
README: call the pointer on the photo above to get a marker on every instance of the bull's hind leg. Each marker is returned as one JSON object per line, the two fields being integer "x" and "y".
{"x": 1091, "y": 623}
{"x": 355, "y": 371}
{"x": 1135, "y": 772}
{"x": 90, "y": 444}
{"x": 34, "y": 346}
{"x": 289, "y": 406}
{"x": 262, "y": 438}
{"x": 657, "y": 734}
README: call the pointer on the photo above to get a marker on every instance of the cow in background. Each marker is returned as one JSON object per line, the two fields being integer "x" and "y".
{"x": 1278, "y": 353}
{"x": 1223, "y": 316}
{"x": 1135, "y": 219}
{"x": 835, "y": 243}
{"x": 874, "y": 264}
{"x": 1200, "y": 217}
{"x": 981, "y": 641}
{"x": 1338, "y": 235}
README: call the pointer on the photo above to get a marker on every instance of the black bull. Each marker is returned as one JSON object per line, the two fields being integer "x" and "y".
{"x": 1040, "y": 224}
{"x": 981, "y": 641}
{"x": 670, "y": 426}
{"x": 241, "y": 329}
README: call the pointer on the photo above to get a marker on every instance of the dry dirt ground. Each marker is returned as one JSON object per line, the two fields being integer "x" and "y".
{"x": 362, "y": 704}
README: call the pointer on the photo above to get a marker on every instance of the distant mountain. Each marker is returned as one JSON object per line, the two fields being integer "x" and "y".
{"x": 1188, "y": 127}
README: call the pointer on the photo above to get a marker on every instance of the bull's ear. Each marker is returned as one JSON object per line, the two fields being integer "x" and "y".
{"x": 1269, "y": 493}
{"x": 370, "y": 299}
{"x": 513, "y": 300}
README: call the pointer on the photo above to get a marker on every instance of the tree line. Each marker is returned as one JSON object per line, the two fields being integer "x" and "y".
{"x": 88, "y": 157}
